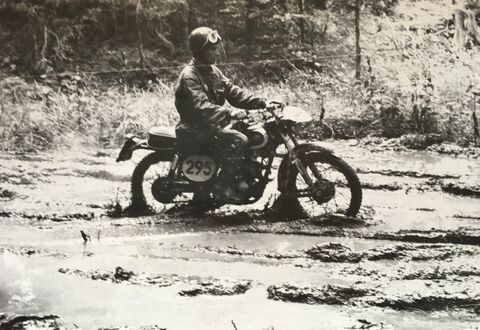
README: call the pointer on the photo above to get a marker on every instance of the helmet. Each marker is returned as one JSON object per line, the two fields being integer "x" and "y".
{"x": 200, "y": 37}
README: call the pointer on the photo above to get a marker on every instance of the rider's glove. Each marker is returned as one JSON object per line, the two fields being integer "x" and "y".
{"x": 238, "y": 114}
{"x": 272, "y": 105}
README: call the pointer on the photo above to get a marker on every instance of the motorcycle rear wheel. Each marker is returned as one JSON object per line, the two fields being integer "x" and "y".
{"x": 347, "y": 198}
{"x": 150, "y": 168}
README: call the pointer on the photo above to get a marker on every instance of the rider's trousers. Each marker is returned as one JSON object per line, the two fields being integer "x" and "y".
{"x": 231, "y": 148}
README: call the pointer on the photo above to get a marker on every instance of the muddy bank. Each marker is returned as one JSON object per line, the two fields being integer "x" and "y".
{"x": 449, "y": 270}
{"x": 401, "y": 295}
{"x": 462, "y": 188}
{"x": 463, "y": 235}
{"x": 336, "y": 252}
{"x": 442, "y": 272}
{"x": 216, "y": 289}
{"x": 233, "y": 251}
{"x": 53, "y": 322}
{"x": 49, "y": 217}
{"x": 21, "y": 176}
{"x": 32, "y": 251}
{"x": 190, "y": 285}
{"x": 329, "y": 294}
{"x": 6, "y": 194}
{"x": 340, "y": 253}
{"x": 468, "y": 236}
{"x": 24, "y": 322}
{"x": 428, "y": 142}
{"x": 145, "y": 327}
{"x": 381, "y": 186}
{"x": 406, "y": 173}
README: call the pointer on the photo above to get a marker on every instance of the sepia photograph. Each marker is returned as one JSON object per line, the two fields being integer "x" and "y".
{"x": 239, "y": 164}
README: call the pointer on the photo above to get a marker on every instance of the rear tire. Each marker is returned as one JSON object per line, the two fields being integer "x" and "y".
{"x": 348, "y": 190}
{"x": 142, "y": 198}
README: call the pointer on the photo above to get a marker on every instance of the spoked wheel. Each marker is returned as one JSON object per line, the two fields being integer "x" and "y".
{"x": 336, "y": 187}
{"x": 150, "y": 185}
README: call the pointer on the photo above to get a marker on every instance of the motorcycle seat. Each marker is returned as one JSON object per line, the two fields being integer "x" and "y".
{"x": 162, "y": 137}
{"x": 164, "y": 131}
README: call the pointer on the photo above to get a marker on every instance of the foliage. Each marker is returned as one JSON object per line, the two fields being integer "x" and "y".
{"x": 413, "y": 79}
{"x": 36, "y": 117}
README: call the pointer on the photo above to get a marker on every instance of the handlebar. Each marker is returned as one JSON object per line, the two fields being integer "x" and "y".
{"x": 270, "y": 110}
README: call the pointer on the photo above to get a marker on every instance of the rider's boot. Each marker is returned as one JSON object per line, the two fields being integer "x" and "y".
{"x": 234, "y": 190}
{"x": 203, "y": 201}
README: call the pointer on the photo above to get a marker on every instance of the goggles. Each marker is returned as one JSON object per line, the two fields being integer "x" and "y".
{"x": 212, "y": 38}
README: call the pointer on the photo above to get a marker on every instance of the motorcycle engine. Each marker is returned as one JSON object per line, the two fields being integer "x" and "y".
{"x": 253, "y": 170}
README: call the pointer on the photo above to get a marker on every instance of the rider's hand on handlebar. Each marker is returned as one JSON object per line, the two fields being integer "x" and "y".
{"x": 272, "y": 105}
{"x": 238, "y": 114}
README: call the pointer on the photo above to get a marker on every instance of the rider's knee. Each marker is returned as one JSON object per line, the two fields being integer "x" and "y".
{"x": 240, "y": 140}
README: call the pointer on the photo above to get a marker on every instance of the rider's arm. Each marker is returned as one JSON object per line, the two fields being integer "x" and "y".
{"x": 194, "y": 97}
{"x": 239, "y": 97}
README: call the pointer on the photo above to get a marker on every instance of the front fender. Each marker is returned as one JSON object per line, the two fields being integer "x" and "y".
{"x": 287, "y": 162}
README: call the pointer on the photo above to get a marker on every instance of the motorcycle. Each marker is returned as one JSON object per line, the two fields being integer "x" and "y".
{"x": 309, "y": 175}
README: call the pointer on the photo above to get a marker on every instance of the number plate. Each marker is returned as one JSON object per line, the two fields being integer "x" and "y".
{"x": 199, "y": 168}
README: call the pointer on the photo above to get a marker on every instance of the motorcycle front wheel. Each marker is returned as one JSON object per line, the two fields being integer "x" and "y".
{"x": 336, "y": 187}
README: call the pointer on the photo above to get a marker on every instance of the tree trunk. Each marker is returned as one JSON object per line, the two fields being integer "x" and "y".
{"x": 317, "y": 4}
{"x": 139, "y": 33}
{"x": 250, "y": 26}
{"x": 2, "y": 96}
{"x": 302, "y": 21}
{"x": 358, "y": 50}
{"x": 283, "y": 5}
{"x": 466, "y": 27}
{"x": 41, "y": 63}
{"x": 125, "y": 19}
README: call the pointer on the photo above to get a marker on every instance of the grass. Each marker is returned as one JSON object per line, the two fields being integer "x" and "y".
{"x": 35, "y": 117}
{"x": 423, "y": 86}
{"x": 80, "y": 110}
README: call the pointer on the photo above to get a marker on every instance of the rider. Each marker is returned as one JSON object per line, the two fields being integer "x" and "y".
{"x": 200, "y": 96}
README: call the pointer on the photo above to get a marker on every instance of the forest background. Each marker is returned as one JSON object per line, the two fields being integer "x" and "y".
{"x": 89, "y": 71}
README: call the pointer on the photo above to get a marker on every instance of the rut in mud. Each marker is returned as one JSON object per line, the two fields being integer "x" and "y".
{"x": 190, "y": 285}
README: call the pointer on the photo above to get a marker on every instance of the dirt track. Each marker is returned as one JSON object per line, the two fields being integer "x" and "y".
{"x": 411, "y": 261}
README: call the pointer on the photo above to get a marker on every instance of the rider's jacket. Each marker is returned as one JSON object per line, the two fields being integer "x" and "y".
{"x": 200, "y": 95}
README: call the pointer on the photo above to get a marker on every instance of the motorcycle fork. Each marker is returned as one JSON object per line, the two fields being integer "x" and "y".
{"x": 298, "y": 162}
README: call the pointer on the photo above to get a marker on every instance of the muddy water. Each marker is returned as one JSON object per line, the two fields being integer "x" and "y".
{"x": 411, "y": 200}
{"x": 34, "y": 285}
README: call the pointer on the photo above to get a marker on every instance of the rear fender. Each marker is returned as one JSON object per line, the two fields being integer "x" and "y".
{"x": 131, "y": 144}
{"x": 287, "y": 162}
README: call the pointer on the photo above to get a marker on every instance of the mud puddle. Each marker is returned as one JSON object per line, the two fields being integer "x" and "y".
{"x": 414, "y": 245}
{"x": 94, "y": 298}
